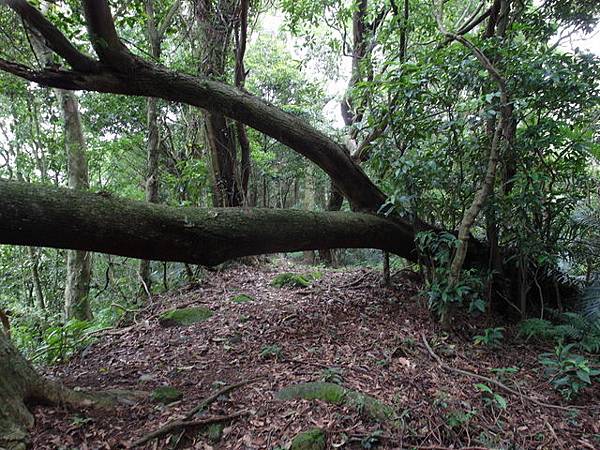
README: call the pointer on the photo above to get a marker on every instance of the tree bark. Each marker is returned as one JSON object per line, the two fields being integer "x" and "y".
{"x": 119, "y": 71}
{"x": 79, "y": 267}
{"x": 215, "y": 22}
{"x": 21, "y": 386}
{"x": 62, "y": 218}
{"x": 77, "y": 283}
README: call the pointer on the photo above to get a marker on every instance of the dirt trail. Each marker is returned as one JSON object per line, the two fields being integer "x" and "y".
{"x": 345, "y": 320}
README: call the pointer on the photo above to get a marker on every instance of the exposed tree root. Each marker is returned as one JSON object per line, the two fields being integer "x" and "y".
{"x": 21, "y": 386}
{"x": 497, "y": 383}
{"x": 179, "y": 424}
{"x": 186, "y": 422}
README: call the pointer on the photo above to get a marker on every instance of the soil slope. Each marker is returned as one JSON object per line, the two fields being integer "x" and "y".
{"x": 344, "y": 328}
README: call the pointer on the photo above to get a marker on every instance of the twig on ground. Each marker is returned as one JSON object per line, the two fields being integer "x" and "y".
{"x": 179, "y": 424}
{"x": 175, "y": 425}
{"x": 211, "y": 398}
{"x": 501, "y": 385}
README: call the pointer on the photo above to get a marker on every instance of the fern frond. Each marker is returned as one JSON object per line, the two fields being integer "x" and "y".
{"x": 538, "y": 328}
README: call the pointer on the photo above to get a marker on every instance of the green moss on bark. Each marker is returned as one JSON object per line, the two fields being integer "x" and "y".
{"x": 242, "y": 298}
{"x": 338, "y": 395}
{"x": 166, "y": 395}
{"x": 290, "y": 280}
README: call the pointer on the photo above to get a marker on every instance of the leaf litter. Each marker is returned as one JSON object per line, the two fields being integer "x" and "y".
{"x": 344, "y": 328}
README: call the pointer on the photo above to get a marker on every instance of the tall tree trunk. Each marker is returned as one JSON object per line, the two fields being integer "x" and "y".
{"x": 79, "y": 263}
{"x": 153, "y": 150}
{"x": 309, "y": 205}
{"x": 35, "y": 278}
{"x": 77, "y": 283}
{"x": 240, "y": 79}
{"x": 215, "y": 22}
{"x": 155, "y": 34}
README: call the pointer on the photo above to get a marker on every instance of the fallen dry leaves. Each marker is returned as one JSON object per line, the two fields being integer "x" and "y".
{"x": 345, "y": 320}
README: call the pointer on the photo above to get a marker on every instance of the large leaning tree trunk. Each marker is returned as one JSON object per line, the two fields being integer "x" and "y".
{"x": 57, "y": 217}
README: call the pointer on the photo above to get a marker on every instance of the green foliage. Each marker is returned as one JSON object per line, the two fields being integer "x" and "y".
{"x": 372, "y": 440}
{"x": 166, "y": 395}
{"x": 459, "y": 418}
{"x": 314, "y": 439}
{"x": 273, "y": 351}
{"x": 437, "y": 251}
{"x": 242, "y": 298}
{"x": 491, "y": 337}
{"x": 490, "y": 397}
{"x": 568, "y": 373}
{"x": 568, "y": 326}
{"x": 61, "y": 341}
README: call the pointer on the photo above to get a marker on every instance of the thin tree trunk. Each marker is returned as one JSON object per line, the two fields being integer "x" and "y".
{"x": 386, "y": 269}
{"x": 77, "y": 283}
{"x": 79, "y": 267}
{"x": 240, "y": 78}
{"x": 153, "y": 150}
{"x": 155, "y": 34}
{"x": 309, "y": 205}
{"x": 35, "y": 278}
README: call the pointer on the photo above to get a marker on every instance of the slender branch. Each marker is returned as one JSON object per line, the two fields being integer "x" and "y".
{"x": 168, "y": 19}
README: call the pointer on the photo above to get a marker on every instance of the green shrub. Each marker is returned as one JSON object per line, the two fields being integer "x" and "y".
{"x": 61, "y": 341}
{"x": 568, "y": 372}
{"x": 491, "y": 337}
{"x": 271, "y": 351}
{"x": 568, "y": 326}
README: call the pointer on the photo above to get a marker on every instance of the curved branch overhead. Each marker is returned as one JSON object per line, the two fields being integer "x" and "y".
{"x": 121, "y": 72}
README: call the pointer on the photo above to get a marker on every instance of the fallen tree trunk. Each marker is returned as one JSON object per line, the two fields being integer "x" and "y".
{"x": 56, "y": 217}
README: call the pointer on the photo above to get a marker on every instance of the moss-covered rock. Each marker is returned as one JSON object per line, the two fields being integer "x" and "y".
{"x": 288, "y": 279}
{"x": 242, "y": 298}
{"x": 336, "y": 394}
{"x": 370, "y": 406}
{"x": 328, "y": 392}
{"x": 166, "y": 395}
{"x": 314, "y": 439}
{"x": 184, "y": 316}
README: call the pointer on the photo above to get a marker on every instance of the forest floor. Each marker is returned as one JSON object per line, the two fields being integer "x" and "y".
{"x": 344, "y": 328}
